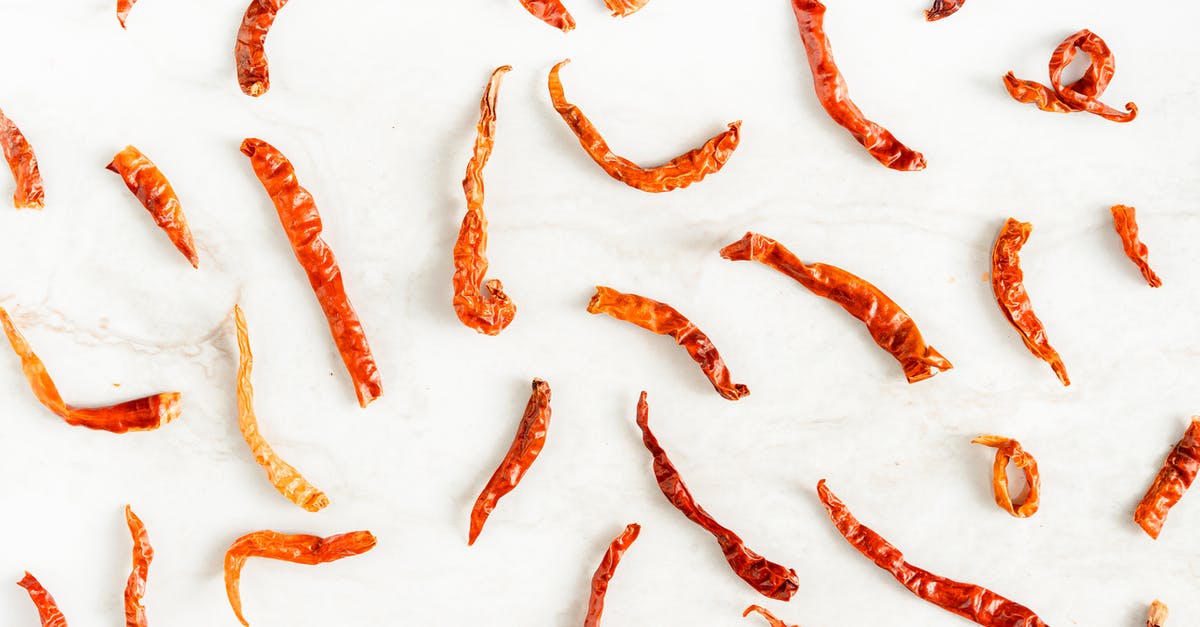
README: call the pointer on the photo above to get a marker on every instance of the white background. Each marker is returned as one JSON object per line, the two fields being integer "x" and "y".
{"x": 375, "y": 102}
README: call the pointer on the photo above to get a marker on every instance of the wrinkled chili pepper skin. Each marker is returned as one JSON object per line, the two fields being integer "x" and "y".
{"x": 1008, "y": 449}
{"x": 1125, "y": 222}
{"x": 47, "y": 609}
{"x": 1083, "y": 94}
{"x": 297, "y": 549}
{"x": 154, "y": 191}
{"x": 892, "y": 329}
{"x": 30, "y": 193}
{"x": 624, "y": 8}
{"x": 302, "y": 222}
{"x": 768, "y": 578}
{"x": 250, "y": 52}
{"x": 968, "y": 601}
{"x": 834, "y": 93}
{"x": 123, "y": 9}
{"x": 678, "y": 173}
{"x": 551, "y": 12}
{"x": 606, "y": 570}
{"x": 526, "y": 446}
{"x": 943, "y": 8}
{"x": 767, "y": 615}
{"x": 1156, "y": 616}
{"x": 1177, "y": 474}
{"x": 135, "y": 588}
{"x": 1008, "y": 286}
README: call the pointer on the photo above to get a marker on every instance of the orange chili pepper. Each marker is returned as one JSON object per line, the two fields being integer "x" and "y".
{"x": 21, "y": 160}
{"x": 1007, "y": 450}
{"x": 1177, "y": 474}
{"x": 47, "y": 609}
{"x": 1083, "y": 94}
{"x": 135, "y": 589}
{"x": 551, "y": 12}
{"x": 624, "y": 8}
{"x": 765, "y": 613}
{"x": 605, "y": 572}
{"x": 1157, "y": 615}
{"x": 1125, "y": 222}
{"x": 943, "y": 8}
{"x": 250, "y": 52}
{"x": 123, "y": 9}
{"x": 154, "y": 191}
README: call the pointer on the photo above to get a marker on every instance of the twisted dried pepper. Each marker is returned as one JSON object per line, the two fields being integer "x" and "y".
{"x": 943, "y": 8}
{"x": 135, "y": 589}
{"x": 551, "y": 12}
{"x": 606, "y": 570}
{"x": 1177, "y": 474}
{"x": 834, "y": 93}
{"x": 1008, "y": 286}
{"x": 1008, "y": 449}
{"x": 1157, "y": 615}
{"x": 21, "y": 160}
{"x": 526, "y": 446}
{"x": 123, "y": 9}
{"x": 47, "y": 609}
{"x": 969, "y": 601}
{"x": 1125, "y": 222}
{"x": 768, "y": 578}
{"x": 154, "y": 191}
{"x": 680, "y": 172}
{"x": 765, "y": 613}
{"x": 302, "y": 223}
{"x": 889, "y": 326}
{"x": 1083, "y": 94}
{"x": 249, "y": 52}
{"x": 624, "y": 8}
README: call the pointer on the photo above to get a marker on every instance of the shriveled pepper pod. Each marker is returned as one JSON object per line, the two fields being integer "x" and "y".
{"x": 123, "y": 9}
{"x": 250, "y": 52}
{"x": 1125, "y": 222}
{"x": 624, "y": 8}
{"x": 135, "y": 588}
{"x": 1157, "y": 614}
{"x": 21, "y": 160}
{"x": 154, "y": 191}
{"x": 767, "y": 615}
{"x": 606, "y": 570}
{"x": 47, "y": 609}
{"x": 1008, "y": 449}
{"x": 551, "y": 12}
{"x": 1177, "y": 474}
{"x": 943, "y": 8}
{"x": 1081, "y": 95}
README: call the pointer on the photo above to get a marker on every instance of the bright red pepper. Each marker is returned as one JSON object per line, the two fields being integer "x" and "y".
{"x": 1177, "y": 474}
{"x": 1083, "y": 94}
{"x": 21, "y": 160}
{"x": 1008, "y": 449}
{"x": 1008, "y": 286}
{"x": 943, "y": 8}
{"x": 624, "y": 8}
{"x": 250, "y": 51}
{"x": 1125, "y": 222}
{"x": 135, "y": 589}
{"x": 605, "y": 572}
{"x": 766, "y": 614}
{"x": 47, "y": 609}
{"x": 154, "y": 191}
{"x": 123, "y": 9}
{"x": 551, "y": 12}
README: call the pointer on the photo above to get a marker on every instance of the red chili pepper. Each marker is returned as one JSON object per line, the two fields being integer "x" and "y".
{"x": 1008, "y": 449}
{"x": 1125, "y": 222}
{"x": 766, "y": 614}
{"x": 605, "y": 572}
{"x": 833, "y": 92}
{"x": 768, "y": 578}
{"x": 943, "y": 8}
{"x": 47, "y": 609}
{"x": 551, "y": 12}
{"x": 1083, "y": 94}
{"x": 135, "y": 589}
{"x": 624, "y": 8}
{"x": 154, "y": 191}
{"x": 1177, "y": 474}
{"x": 123, "y": 9}
{"x": 302, "y": 223}
{"x": 251, "y": 56}
{"x": 24, "y": 166}
{"x": 967, "y": 600}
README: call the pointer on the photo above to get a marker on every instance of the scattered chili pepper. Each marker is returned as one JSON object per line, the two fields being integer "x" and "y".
{"x": 47, "y": 609}
{"x": 21, "y": 160}
{"x": 943, "y": 8}
{"x": 297, "y": 549}
{"x": 302, "y": 223}
{"x": 967, "y": 600}
{"x": 551, "y": 12}
{"x": 1157, "y": 615}
{"x": 768, "y": 578}
{"x": 833, "y": 92}
{"x": 154, "y": 191}
{"x": 680, "y": 172}
{"x": 624, "y": 8}
{"x": 135, "y": 589}
{"x": 253, "y": 74}
{"x": 605, "y": 572}
{"x": 765, "y": 613}
{"x": 1177, "y": 474}
{"x": 480, "y": 304}
{"x": 140, "y": 414}
{"x": 1008, "y": 285}
{"x": 1008, "y": 449}
{"x": 1125, "y": 222}
{"x": 1083, "y": 94}
{"x": 123, "y": 9}
{"x": 889, "y": 326}
{"x": 526, "y": 446}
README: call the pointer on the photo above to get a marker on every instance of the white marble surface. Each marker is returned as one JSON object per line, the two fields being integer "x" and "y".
{"x": 375, "y": 102}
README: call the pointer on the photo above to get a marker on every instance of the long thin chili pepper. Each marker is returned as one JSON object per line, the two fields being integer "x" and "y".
{"x": 766, "y": 614}
{"x": 286, "y": 479}
{"x": 526, "y": 446}
{"x": 889, "y": 326}
{"x": 1083, "y": 94}
{"x": 154, "y": 191}
{"x": 551, "y": 12}
{"x": 688, "y": 168}
{"x": 663, "y": 319}
{"x": 140, "y": 414}
{"x": 768, "y": 578}
{"x": 135, "y": 589}
{"x": 1125, "y": 222}
{"x": 1008, "y": 286}
{"x": 969, "y": 601}
{"x": 123, "y": 9}
{"x": 249, "y": 52}
{"x": 606, "y": 570}
{"x": 298, "y": 214}
{"x": 21, "y": 160}
{"x": 1177, "y": 474}
{"x": 943, "y": 8}
{"x": 1157, "y": 614}
{"x": 480, "y": 303}
{"x": 624, "y": 8}
{"x": 297, "y": 549}
{"x": 1008, "y": 449}
{"x": 834, "y": 93}
{"x": 47, "y": 609}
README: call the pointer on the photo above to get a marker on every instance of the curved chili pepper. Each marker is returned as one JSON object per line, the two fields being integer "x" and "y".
{"x": 624, "y": 8}
{"x": 889, "y": 326}
{"x": 943, "y": 8}
{"x": 765, "y": 613}
{"x": 253, "y": 74}
{"x": 526, "y": 446}
{"x": 1008, "y": 449}
{"x": 1157, "y": 614}
{"x": 21, "y": 160}
{"x": 135, "y": 589}
{"x": 140, "y": 414}
{"x": 47, "y": 609}
{"x": 605, "y": 572}
{"x": 969, "y": 601}
{"x": 1177, "y": 474}
{"x": 688, "y": 168}
{"x": 480, "y": 303}
{"x": 286, "y": 479}
{"x": 834, "y": 93}
{"x": 1083, "y": 94}
{"x": 1125, "y": 222}
{"x": 297, "y": 549}
{"x": 1008, "y": 285}
{"x": 551, "y": 12}
{"x": 302, "y": 223}
{"x": 123, "y": 9}
{"x": 768, "y": 578}
{"x": 154, "y": 191}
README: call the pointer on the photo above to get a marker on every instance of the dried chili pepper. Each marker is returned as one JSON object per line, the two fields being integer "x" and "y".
{"x": 833, "y": 92}
{"x": 1157, "y": 615}
{"x": 249, "y": 52}
{"x": 302, "y": 223}
{"x": 140, "y": 414}
{"x": 297, "y": 549}
{"x": 1083, "y": 94}
{"x": 765, "y": 613}
{"x": 1125, "y": 222}
{"x": 889, "y": 326}
{"x": 1177, "y": 474}
{"x": 21, "y": 160}
{"x": 480, "y": 304}
{"x": 624, "y": 8}
{"x": 135, "y": 589}
{"x": 47, "y": 609}
{"x": 1008, "y": 449}
{"x": 605, "y": 572}
{"x": 768, "y": 578}
{"x": 969, "y": 601}
{"x": 551, "y": 12}
{"x": 286, "y": 479}
{"x": 526, "y": 446}
{"x": 663, "y": 319}
{"x": 943, "y": 8}
{"x": 123, "y": 9}
{"x": 680, "y": 172}
{"x": 1008, "y": 285}
{"x": 154, "y": 191}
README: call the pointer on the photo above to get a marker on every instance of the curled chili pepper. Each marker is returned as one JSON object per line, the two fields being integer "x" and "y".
{"x": 889, "y": 326}
{"x": 140, "y": 414}
{"x": 297, "y": 549}
{"x": 123, "y": 9}
{"x": 943, "y": 8}
{"x": 1083, "y": 94}
{"x": 606, "y": 570}
{"x": 21, "y": 160}
{"x": 302, "y": 223}
{"x": 135, "y": 589}
{"x": 47, "y": 609}
{"x": 480, "y": 304}
{"x": 154, "y": 191}
{"x": 1157, "y": 614}
{"x": 663, "y": 319}
{"x": 680, "y": 172}
{"x": 969, "y": 601}
{"x": 768, "y": 578}
{"x": 551, "y": 12}
{"x": 1177, "y": 474}
{"x": 1008, "y": 286}
{"x": 834, "y": 93}
{"x": 1008, "y": 449}
{"x": 765, "y": 613}
{"x": 624, "y": 8}
{"x": 249, "y": 52}
{"x": 1125, "y": 222}
{"x": 526, "y": 446}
